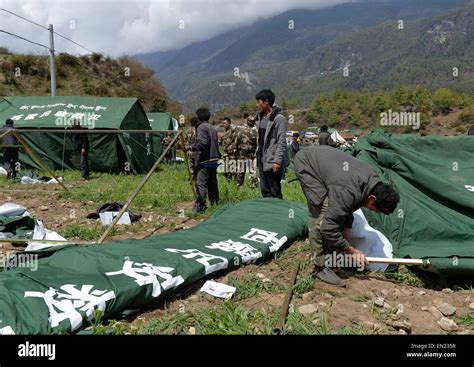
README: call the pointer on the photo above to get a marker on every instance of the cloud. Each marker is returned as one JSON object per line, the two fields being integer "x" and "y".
{"x": 116, "y": 27}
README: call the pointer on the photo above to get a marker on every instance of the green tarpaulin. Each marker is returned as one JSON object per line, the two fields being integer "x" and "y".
{"x": 71, "y": 282}
{"x": 108, "y": 153}
{"x": 435, "y": 178}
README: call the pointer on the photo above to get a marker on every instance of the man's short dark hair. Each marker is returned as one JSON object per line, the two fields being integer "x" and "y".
{"x": 227, "y": 119}
{"x": 387, "y": 198}
{"x": 9, "y": 122}
{"x": 324, "y": 128}
{"x": 203, "y": 114}
{"x": 266, "y": 95}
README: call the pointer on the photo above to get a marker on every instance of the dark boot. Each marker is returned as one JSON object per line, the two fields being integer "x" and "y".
{"x": 327, "y": 275}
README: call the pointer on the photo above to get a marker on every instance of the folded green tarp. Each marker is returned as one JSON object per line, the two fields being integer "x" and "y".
{"x": 71, "y": 282}
{"x": 19, "y": 227}
{"x": 435, "y": 178}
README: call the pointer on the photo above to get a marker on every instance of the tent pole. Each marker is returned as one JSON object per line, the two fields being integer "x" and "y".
{"x": 16, "y": 240}
{"x": 37, "y": 158}
{"x": 137, "y": 190}
{"x": 186, "y": 161}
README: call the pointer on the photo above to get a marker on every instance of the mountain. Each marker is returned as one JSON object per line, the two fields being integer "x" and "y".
{"x": 299, "y": 57}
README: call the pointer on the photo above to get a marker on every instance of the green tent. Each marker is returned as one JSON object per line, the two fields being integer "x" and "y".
{"x": 435, "y": 178}
{"x": 159, "y": 121}
{"x": 108, "y": 153}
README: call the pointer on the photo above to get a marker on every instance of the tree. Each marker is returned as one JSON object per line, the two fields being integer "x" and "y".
{"x": 444, "y": 100}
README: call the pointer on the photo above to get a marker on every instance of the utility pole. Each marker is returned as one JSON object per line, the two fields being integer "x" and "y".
{"x": 52, "y": 61}
{"x": 231, "y": 85}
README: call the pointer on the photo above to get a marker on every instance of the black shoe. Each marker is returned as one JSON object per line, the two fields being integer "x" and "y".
{"x": 199, "y": 208}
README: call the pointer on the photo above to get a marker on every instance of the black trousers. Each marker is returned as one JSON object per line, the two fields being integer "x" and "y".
{"x": 206, "y": 184}
{"x": 84, "y": 165}
{"x": 270, "y": 182}
{"x": 10, "y": 158}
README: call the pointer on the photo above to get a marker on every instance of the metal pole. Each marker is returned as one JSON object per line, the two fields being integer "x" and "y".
{"x": 37, "y": 157}
{"x": 90, "y": 131}
{"x": 21, "y": 240}
{"x": 137, "y": 190}
{"x": 52, "y": 61}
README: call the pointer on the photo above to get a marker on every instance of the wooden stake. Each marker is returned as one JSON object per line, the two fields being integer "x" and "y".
{"x": 284, "y": 308}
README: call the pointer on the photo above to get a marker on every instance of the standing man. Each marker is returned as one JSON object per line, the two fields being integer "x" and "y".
{"x": 336, "y": 185}
{"x": 294, "y": 146}
{"x": 228, "y": 143}
{"x": 207, "y": 156}
{"x": 189, "y": 139}
{"x": 81, "y": 145}
{"x": 325, "y": 137}
{"x": 10, "y": 154}
{"x": 164, "y": 144}
{"x": 246, "y": 145}
{"x": 272, "y": 153}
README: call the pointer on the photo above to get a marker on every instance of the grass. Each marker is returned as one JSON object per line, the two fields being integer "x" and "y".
{"x": 226, "y": 319}
{"x": 166, "y": 189}
{"x": 250, "y": 286}
{"x": 405, "y": 278}
{"x": 84, "y": 233}
{"x": 467, "y": 320}
{"x": 360, "y": 298}
{"x": 304, "y": 282}
{"x": 382, "y": 314}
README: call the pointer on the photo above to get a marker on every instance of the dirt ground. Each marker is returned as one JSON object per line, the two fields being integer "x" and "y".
{"x": 371, "y": 302}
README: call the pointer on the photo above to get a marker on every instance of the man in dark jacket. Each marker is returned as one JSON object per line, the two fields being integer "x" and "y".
{"x": 81, "y": 146}
{"x": 336, "y": 185}
{"x": 206, "y": 146}
{"x": 325, "y": 138}
{"x": 272, "y": 153}
{"x": 10, "y": 154}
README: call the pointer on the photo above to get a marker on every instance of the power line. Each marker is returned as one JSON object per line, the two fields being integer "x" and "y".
{"x": 25, "y": 39}
{"x": 70, "y": 40}
{"x": 19, "y": 16}
{"x": 39, "y": 25}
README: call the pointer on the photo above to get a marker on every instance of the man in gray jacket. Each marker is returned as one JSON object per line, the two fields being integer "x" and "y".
{"x": 272, "y": 153}
{"x": 336, "y": 185}
{"x": 207, "y": 156}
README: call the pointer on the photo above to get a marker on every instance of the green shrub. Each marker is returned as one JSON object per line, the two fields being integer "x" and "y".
{"x": 64, "y": 59}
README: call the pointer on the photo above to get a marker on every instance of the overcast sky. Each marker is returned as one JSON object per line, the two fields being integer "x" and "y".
{"x": 117, "y": 27}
